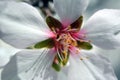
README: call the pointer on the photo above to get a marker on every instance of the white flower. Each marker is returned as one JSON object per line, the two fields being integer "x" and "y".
{"x": 55, "y": 52}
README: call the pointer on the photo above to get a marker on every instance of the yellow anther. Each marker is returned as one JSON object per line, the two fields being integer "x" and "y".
{"x": 65, "y": 54}
{"x": 83, "y": 58}
{"x": 74, "y": 43}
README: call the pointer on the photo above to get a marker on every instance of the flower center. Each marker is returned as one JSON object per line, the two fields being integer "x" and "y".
{"x": 63, "y": 42}
{"x": 66, "y": 40}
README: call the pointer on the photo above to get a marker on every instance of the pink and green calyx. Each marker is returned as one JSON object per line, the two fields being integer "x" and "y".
{"x": 65, "y": 40}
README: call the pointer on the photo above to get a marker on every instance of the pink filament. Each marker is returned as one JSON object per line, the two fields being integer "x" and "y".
{"x": 79, "y": 35}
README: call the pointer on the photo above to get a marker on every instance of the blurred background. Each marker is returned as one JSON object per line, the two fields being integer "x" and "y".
{"x": 46, "y": 7}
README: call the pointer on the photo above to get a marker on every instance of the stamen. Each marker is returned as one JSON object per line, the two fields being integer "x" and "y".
{"x": 83, "y": 58}
{"x": 63, "y": 41}
{"x": 59, "y": 55}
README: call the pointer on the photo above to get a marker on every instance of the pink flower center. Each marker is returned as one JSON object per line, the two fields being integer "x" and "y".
{"x": 64, "y": 41}
{"x": 67, "y": 39}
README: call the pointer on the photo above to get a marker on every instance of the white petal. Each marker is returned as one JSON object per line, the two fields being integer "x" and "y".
{"x": 70, "y": 10}
{"x": 21, "y": 25}
{"x": 100, "y": 66}
{"x": 30, "y": 65}
{"x": 102, "y": 27}
{"x": 76, "y": 70}
{"x": 92, "y": 67}
{"x": 6, "y": 51}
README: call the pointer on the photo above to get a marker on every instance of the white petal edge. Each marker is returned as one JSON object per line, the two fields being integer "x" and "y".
{"x": 91, "y": 67}
{"x": 31, "y": 65}
{"x": 70, "y": 10}
{"x": 6, "y": 52}
{"x": 21, "y": 25}
{"x": 102, "y": 27}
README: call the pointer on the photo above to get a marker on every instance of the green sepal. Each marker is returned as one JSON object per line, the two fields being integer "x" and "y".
{"x": 84, "y": 45}
{"x": 60, "y": 63}
{"x": 57, "y": 67}
{"x": 49, "y": 43}
{"x": 77, "y": 24}
{"x": 53, "y": 23}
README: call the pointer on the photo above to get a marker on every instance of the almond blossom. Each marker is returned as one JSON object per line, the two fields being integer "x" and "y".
{"x": 58, "y": 49}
